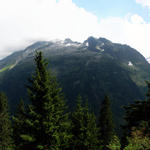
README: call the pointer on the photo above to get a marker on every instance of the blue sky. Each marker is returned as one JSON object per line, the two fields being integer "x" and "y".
{"x": 114, "y": 8}
{"x": 23, "y": 22}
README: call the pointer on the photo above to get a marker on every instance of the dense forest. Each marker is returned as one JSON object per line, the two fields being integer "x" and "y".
{"x": 47, "y": 124}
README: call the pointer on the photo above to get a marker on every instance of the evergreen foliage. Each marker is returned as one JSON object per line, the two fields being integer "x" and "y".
{"x": 6, "y": 142}
{"x": 82, "y": 70}
{"x": 84, "y": 128}
{"x": 47, "y": 123}
{"x": 114, "y": 144}
{"x": 138, "y": 139}
{"x": 106, "y": 124}
{"x": 19, "y": 125}
{"x": 136, "y": 113}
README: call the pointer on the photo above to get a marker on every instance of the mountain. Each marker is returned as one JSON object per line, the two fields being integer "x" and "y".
{"x": 93, "y": 68}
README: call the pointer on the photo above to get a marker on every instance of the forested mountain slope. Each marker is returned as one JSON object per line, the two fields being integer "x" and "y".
{"x": 93, "y": 68}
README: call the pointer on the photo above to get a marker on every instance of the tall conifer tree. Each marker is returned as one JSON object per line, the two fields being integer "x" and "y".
{"x": 84, "y": 128}
{"x": 106, "y": 124}
{"x": 19, "y": 125}
{"x": 6, "y": 142}
{"x": 47, "y": 124}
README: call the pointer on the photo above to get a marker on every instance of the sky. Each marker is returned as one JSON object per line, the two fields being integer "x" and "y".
{"x": 23, "y": 22}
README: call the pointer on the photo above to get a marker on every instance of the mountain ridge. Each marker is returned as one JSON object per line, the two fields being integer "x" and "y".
{"x": 92, "y": 68}
{"x": 95, "y": 44}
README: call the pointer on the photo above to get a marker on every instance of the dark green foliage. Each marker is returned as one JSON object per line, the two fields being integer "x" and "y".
{"x": 82, "y": 69}
{"x": 114, "y": 143}
{"x": 6, "y": 142}
{"x": 84, "y": 128}
{"x": 106, "y": 124}
{"x": 139, "y": 138}
{"x": 136, "y": 113}
{"x": 47, "y": 124}
{"x": 19, "y": 125}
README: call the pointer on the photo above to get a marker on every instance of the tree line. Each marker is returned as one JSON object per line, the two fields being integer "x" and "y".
{"x": 46, "y": 123}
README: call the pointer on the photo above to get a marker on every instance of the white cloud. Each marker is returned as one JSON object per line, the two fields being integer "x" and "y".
{"x": 144, "y": 3}
{"x": 24, "y": 21}
{"x": 131, "y": 30}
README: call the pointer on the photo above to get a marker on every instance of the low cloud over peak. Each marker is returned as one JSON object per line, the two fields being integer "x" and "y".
{"x": 25, "y": 21}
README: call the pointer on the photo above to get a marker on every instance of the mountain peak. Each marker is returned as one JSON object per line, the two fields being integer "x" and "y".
{"x": 93, "y": 42}
{"x": 104, "y": 40}
{"x": 68, "y": 40}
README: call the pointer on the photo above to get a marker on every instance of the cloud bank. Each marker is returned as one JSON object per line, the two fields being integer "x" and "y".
{"x": 144, "y": 3}
{"x": 25, "y": 21}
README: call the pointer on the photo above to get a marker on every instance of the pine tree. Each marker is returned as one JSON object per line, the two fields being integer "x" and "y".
{"x": 19, "y": 125}
{"x": 114, "y": 143}
{"x": 106, "y": 124}
{"x": 6, "y": 142}
{"x": 47, "y": 123}
{"x": 139, "y": 139}
{"x": 84, "y": 128}
{"x": 136, "y": 113}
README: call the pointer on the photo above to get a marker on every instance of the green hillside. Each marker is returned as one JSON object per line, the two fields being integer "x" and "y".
{"x": 92, "y": 69}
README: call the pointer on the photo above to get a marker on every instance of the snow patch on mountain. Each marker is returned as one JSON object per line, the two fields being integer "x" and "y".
{"x": 87, "y": 44}
{"x": 99, "y": 48}
{"x": 72, "y": 44}
{"x": 130, "y": 63}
